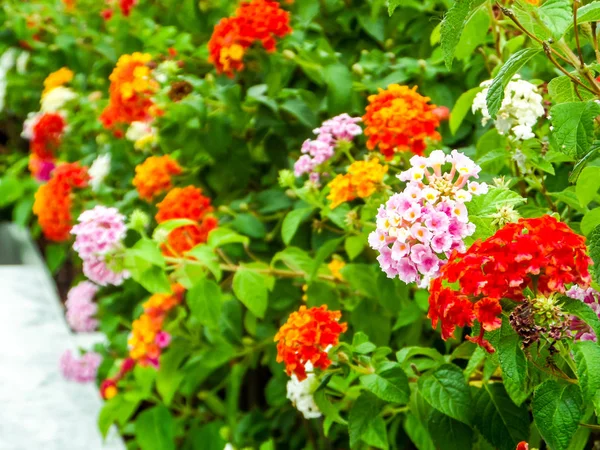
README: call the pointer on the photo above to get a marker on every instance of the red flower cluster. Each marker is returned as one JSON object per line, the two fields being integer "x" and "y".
{"x": 254, "y": 21}
{"x": 53, "y": 200}
{"x": 541, "y": 254}
{"x": 304, "y": 338}
{"x": 186, "y": 203}
{"x": 47, "y": 133}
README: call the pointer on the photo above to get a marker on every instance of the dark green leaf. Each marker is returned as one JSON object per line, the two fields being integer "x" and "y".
{"x": 365, "y": 423}
{"x": 204, "y": 300}
{"x": 250, "y": 288}
{"x": 389, "y": 383}
{"x": 446, "y": 390}
{"x": 452, "y": 27}
{"x": 448, "y": 433}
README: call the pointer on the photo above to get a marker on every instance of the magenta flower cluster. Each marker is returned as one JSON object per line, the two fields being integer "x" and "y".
{"x": 319, "y": 150}
{"x": 81, "y": 308}
{"x": 99, "y": 235}
{"x": 590, "y": 297}
{"x": 80, "y": 370}
{"x": 420, "y": 227}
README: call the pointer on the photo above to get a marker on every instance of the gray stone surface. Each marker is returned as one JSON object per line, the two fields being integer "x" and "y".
{"x": 39, "y": 410}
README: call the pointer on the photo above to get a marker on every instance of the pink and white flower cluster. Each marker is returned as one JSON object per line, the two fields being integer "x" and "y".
{"x": 80, "y": 370}
{"x": 81, "y": 308}
{"x": 418, "y": 229}
{"x": 319, "y": 150}
{"x": 99, "y": 235}
{"x": 590, "y": 297}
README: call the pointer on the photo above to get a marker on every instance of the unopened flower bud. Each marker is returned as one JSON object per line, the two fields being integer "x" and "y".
{"x": 289, "y": 54}
{"x": 160, "y": 235}
{"x": 139, "y": 220}
{"x": 358, "y": 69}
{"x": 286, "y": 178}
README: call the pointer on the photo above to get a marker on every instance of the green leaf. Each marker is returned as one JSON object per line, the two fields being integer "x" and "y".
{"x": 154, "y": 280}
{"x": 170, "y": 225}
{"x": 498, "y": 419}
{"x": 205, "y": 254}
{"x": 587, "y": 185}
{"x": 452, "y": 27}
{"x": 295, "y": 259}
{"x": 593, "y": 243}
{"x": 300, "y": 110}
{"x": 446, "y": 390}
{"x": 146, "y": 250}
{"x": 590, "y": 221}
{"x": 461, "y": 108}
{"x": 587, "y": 359}
{"x": 557, "y": 15}
{"x": 390, "y": 383}
{"x": 292, "y": 221}
{"x": 418, "y": 434}
{"x": 513, "y": 363}
{"x": 55, "y": 257}
{"x": 392, "y": 5}
{"x": 170, "y": 375}
{"x": 339, "y": 88}
{"x": 574, "y": 127}
{"x": 507, "y": 72}
{"x": 250, "y": 288}
{"x": 222, "y": 236}
{"x": 582, "y": 311}
{"x": 404, "y": 356}
{"x": 204, "y": 300}
{"x": 562, "y": 90}
{"x": 557, "y": 410}
{"x": 365, "y": 423}
{"x": 117, "y": 410}
{"x": 154, "y": 429}
{"x": 448, "y": 433}
{"x": 354, "y": 246}
{"x": 360, "y": 277}
{"x": 589, "y": 13}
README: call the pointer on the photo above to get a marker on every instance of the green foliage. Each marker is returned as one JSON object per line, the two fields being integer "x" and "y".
{"x": 446, "y": 390}
{"x": 573, "y": 127}
{"x": 452, "y": 27}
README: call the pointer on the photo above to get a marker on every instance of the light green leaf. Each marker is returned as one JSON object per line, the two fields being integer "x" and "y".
{"x": 295, "y": 259}
{"x": 292, "y": 221}
{"x": 589, "y": 13}
{"x": 222, "y": 236}
{"x": 507, "y": 72}
{"x": 461, "y": 108}
{"x": 562, "y": 90}
{"x": 590, "y": 221}
{"x": 446, "y": 390}
{"x": 513, "y": 363}
{"x": 154, "y": 280}
{"x": 498, "y": 419}
{"x": 418, "y": 434}
{"x": 587, "y": 359}
{"x": 557, "y": 410}
{"x": 204, "y": 300}
{"x": 452, "y": 27}
{"x": 154, "y": 429}
{"x": 587, "y": 185}
{"x": 392, "y": 5}
{"x": 354, "y": 245}
{"x": 574, "y": 127}
{"x": 557, "y": 15}
{"x": 390, "y": 383}
{"x": 170, "y": 225}
{"x": 205, "y": 254}
{"x": 250, "y": 288}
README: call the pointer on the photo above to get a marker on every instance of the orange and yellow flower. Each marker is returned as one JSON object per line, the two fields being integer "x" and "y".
{"x": 58, "y": 78}
{"x": 335, "y": 266}
{"x": 399, "y": 119}
{"x": 153, "y": 176}
{"x": 186, "y": 203}
{"x": 362, "y": 180}
{"x": 131, "y": 91}
{"x": 305, "y": 337}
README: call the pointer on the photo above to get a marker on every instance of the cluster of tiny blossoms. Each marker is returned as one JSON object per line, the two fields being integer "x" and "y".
{"x": 300, "y": 393}
{"x": 521, "y": 108}
{"x": 541, "y": 254}
{"x": 153, "y": 176}
{"x": 305, "y": 337}
{"x": 362, "y": 180}
{"x": 80, "y": 370}
{"x": 99, "y": 235}
{"x": 590, "y": 297}
{"x": 420, "y": 227}
{"x": 254, "y": 21}
{"x": 342, "y": 128}
{"x": 81, "y": 308}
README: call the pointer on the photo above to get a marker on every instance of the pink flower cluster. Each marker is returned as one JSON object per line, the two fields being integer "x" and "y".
{"x": 99, "y": 235}
{"x": 420, "y": 227}
{"x": 81, "y": 307}
{"x": 319, "y": 150}
{"x": 82, "y": 370}
{"x": 590, "y": 297}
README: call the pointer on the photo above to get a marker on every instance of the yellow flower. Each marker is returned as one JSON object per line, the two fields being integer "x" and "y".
{"x": 362, "y": 180}
{"x": 56, "y": 79}
{"x": 335, "y": 266}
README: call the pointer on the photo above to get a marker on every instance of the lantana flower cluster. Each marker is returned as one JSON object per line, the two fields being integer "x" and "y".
{"x": 153, "y": 176}
{"x": 80, "y": 370}
{"x": 253, "y": 21}
{"x": 186, "y": 203}
{"x": 541, "y": 254}
{"x": 305, "y": 337}
{"x": 399, "y": 119}
{"x": 98, "y": 241}
{"x": 131, "y": 90}
{"x": 590, "y": 297}
{"x": 419, "y": 228}
{"x": 147, "y": 338}
{"x": 330, "y": 134}
{"x": 521, "y": 108}
{"x": 53, "y": 200}
{"x": 81, "y": 308}
{"x": 108, "y": 387}
{"x": 99, "y": 170}
{"x": 362, "y": 180}
{"x": 300, "y": 393}
{"x": 143, "y": 135}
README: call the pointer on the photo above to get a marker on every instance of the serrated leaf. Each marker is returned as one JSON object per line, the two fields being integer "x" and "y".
{"x": 587, "y": 359}
{"x": 498, "y": 419}
{"x": 562, "y": 90}
{"x": 365, "y": 423}
{"x": 292, "y": 221}
{"x": 250, "y": 288}
{"x": 418, "y": 434}
{"x": 593, "y": 244}
{"x": 557, "y": 15}
{"x": 390, "y": 383}
{"x": 452, "y": 27}
{"x": 461, "y": 108}
{"x": 448, "y": 433}
{"x": 513, "y": 363}
{"x": 557, "y": 410}
{"x": 589, "y": 13}
{"x": 574, "y": 127}
{"x": 510, "y": 68}
{"x": 446, "y": 390}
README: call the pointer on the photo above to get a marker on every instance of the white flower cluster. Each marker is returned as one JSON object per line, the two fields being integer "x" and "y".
{"x": 300, "y": 393}
{"x": 521, "y": 108}
{"x": 54, "y": 100}
{"x": 99, "y": 170}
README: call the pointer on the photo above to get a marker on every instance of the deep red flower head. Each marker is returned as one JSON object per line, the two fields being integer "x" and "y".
{"x": 47, "y": 134}
{"x": 541, "y": 254}
{"x": 304, "y": 338}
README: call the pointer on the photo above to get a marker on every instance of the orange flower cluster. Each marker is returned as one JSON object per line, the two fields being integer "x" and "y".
{"x": 540, "y": 254}
{"x": 147, "y": 337}
{"x": 362, "y": 180}
{"x": 153, "y": 176}
{"x": 47, "y": 134}
{"x": 400, "y": 119}
{"x": 186, "y": 203}
{"x": 131, "y": 90}
{"x": 305, "y": 337}
{"x": 53, "y": 200}
{"x": 61, "y": 76}
{"x": 254, "y": 21}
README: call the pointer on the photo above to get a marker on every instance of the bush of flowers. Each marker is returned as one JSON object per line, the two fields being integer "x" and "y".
{"x": 331, "y": 224}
